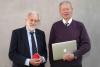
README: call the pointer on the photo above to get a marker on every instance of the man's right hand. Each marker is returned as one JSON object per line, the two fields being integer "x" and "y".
{"x": 35, "y": 62}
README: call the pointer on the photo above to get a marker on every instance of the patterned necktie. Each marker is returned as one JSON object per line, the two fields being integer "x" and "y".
{"x": 34, "y": 50}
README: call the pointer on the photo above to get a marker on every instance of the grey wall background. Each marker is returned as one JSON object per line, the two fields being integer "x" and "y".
{"x": 12, "y": 16}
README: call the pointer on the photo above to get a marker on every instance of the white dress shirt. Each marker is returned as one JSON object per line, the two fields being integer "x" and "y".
{"x": 69, "y": 21}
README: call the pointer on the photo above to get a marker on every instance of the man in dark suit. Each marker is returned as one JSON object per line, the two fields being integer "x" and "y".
{"x": 68, "y": 29}
{"x": 28, "y": 46}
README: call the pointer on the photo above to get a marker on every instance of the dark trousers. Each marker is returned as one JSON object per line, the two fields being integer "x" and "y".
{"x": 65, "y": 64}
{"x": 41, "y": 65}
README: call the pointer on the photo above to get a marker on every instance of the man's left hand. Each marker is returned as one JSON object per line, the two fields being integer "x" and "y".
{"x": 68, "y": 56}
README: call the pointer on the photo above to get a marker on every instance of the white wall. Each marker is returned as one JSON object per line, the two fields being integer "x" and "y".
{"x": 12, "y": 14}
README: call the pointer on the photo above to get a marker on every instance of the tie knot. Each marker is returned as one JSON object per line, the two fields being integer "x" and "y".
{"x": 31, "y": 33}
{"x": 66, "y": 24}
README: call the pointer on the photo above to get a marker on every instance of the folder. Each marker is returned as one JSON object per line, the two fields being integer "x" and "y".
{"x": 59, "y": 49}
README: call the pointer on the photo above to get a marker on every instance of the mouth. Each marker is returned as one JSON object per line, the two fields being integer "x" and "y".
{"x": 66, "y": 14}
{"x": 32, "y": 25}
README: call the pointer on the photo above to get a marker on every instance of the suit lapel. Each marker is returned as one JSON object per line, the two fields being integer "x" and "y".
{"x": 26, "y": 40}
{"x": 38, "y": 39}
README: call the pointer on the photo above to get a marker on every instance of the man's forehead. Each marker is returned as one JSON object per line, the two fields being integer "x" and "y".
{"x": 32, "y": 13}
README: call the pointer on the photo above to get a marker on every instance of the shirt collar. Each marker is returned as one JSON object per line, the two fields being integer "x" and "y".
{"x": 69, "y": 21}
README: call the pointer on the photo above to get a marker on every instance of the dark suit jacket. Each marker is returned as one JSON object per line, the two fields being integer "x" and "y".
{"x": 19, "y": 46}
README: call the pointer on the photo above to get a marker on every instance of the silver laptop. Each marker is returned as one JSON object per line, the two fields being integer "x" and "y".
{"x": 59, "y": 49}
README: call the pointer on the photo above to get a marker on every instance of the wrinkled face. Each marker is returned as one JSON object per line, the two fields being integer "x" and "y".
{"x": 32, "y": 20}
{"x": 66, "y": 11}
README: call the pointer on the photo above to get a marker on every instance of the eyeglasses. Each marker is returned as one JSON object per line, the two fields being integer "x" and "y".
{"x": 34, "y": 20}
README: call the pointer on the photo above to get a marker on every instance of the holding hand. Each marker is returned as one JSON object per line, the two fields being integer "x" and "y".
{"x": 69, "y": 56}
{"x": 36, "y": 60}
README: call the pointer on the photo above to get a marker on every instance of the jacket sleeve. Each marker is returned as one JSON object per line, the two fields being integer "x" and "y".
{"x": 51, "y": 40}
{"x": 14, "y": 55}
{"x": 44, "y": 47}
{"x": 84, "y": 45}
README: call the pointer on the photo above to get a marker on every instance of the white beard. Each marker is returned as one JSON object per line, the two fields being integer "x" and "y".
{"x": 31, "y": 28}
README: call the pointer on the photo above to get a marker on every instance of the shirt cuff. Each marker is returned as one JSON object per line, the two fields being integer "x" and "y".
{"x": 27, "y": 62}
{"x": 43, "y": 59}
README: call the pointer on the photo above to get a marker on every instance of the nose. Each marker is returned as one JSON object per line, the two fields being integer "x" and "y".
{"x": 31, "y": 20}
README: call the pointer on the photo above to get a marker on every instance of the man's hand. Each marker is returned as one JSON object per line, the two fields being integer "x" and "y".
{"x": 35, "y": 62}
{"x": 69, "y": 56}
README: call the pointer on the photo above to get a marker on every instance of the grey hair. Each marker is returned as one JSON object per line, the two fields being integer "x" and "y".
{"x": 65, "y": 2}
{"x": 33, "y": 13}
